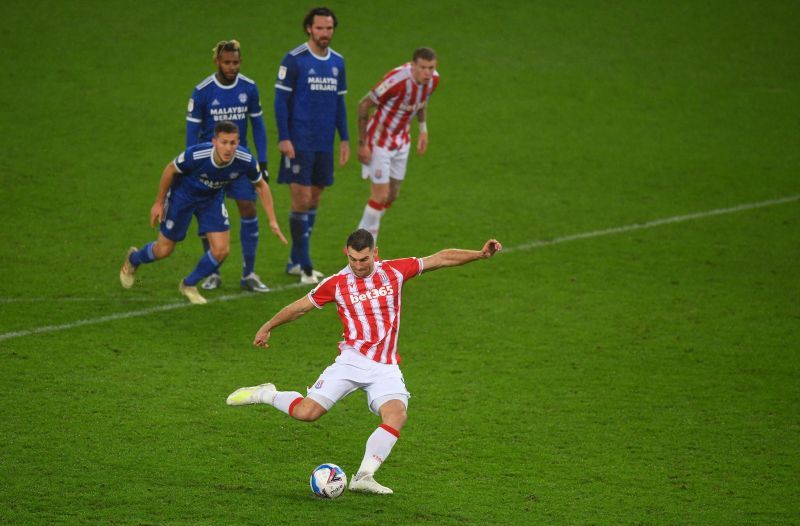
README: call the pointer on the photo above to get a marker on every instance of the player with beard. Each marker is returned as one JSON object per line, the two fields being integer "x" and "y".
{"x": 367, "y": 293}
{"x": 309, "y": 110}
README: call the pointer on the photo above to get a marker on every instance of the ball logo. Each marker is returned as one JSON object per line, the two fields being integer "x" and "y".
{"x": 384, "y": 291}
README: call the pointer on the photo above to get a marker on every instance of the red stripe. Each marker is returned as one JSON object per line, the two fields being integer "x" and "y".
{"x": 376, "y": 205}
{"x": 294, "y": 403}
{"x": 391, "y": 430}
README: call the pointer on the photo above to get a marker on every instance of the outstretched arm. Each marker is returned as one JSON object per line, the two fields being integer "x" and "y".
{"x": 453, "y": 257}
{"x": 364, "y": 151}
{"x": 289, "y": 313}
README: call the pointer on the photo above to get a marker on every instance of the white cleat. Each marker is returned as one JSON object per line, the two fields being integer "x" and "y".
{"x": 250, "y": 395}
{"x": 313, "y": 279}
{"x": 296, "y": 270}
{"x": 253, "y": 283}
{"x": 214, "y": 281}
{"x": 367, "y": 484}
{"x": 192, "y": 293}
{"x": 126, "y": 274}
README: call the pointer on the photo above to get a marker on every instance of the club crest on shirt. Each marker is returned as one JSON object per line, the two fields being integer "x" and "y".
{"x": 335, "y": 71}
{"x": 243, "y": 97}
{"x": 282, "y": 72}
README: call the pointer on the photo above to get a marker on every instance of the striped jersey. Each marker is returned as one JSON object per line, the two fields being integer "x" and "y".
{"x": 200, "y": 174}
{"x": 398, "y": 97}
{"x": 369, "y": 307}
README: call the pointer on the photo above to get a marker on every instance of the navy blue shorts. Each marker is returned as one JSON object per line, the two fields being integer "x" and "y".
{"x": 212, "y": 216}
{"x": 241, "y": 189}
{"x": 307, "y": 169}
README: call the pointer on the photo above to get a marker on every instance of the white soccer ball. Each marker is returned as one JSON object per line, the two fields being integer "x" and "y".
{"x": 328, "y": 481}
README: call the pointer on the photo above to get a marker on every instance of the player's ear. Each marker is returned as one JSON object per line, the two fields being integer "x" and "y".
{"x": 375, "y": 252}
{"x": 344, "y": 250}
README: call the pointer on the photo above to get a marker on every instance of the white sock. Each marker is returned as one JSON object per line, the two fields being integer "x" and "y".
{"x": 371, "y": 220}
{"x": 283, "y": 400}
{"x": 379, "y": 445}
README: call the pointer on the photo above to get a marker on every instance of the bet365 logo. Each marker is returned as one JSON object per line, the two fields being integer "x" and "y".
{"x": 386, "y": 290}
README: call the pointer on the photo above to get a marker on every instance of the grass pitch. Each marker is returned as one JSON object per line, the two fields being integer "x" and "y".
{"x": 644, "y": 376}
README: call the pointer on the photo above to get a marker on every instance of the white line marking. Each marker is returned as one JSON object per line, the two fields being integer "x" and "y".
{"x": 524, "y": 246}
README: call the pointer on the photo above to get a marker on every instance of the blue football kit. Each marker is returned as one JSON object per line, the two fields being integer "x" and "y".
{"x": 198, "y": 189}
{"x": 309, "y": 110}
{"x": 211, "y": 102}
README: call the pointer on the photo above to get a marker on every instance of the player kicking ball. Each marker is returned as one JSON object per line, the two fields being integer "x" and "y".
{"x": 193, "y": 184}
{"x": 367, "y": 293}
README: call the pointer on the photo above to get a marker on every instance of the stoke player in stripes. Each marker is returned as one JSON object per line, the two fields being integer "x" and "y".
{"x": 384, "y": 139}
{"x": 367, "y": 293}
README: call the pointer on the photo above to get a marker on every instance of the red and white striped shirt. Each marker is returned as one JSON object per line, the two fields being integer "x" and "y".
{"x": 369, "y": 307}
{"x": 398, "y": 97}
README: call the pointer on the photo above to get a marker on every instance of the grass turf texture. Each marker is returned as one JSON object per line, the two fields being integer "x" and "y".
{"x": 646, "y": 377}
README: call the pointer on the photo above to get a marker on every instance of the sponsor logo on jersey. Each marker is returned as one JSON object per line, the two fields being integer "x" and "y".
{"x": 231, "y": 113}
{"x": 215, "y": 103}
{"x": 312, "y": 72}
{"x": 234, "y": 175}
{"x": 282, "y": 72}
{"x": 214, "y": 185}
{"x": 384, "y": 291}
{"x": 323, "y": 83}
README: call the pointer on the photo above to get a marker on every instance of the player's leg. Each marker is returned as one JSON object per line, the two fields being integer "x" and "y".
{"x": 177, "y": 216}
{"x": 212, "y": 217}
{"x": 377, "y": 171}
{"x": 387, "y": 397}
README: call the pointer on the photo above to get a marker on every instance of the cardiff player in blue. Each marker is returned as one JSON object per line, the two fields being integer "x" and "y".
{"x": 193, "y": 184}
{"x": 228, "y": 95}
{"x": 309, "y": 109}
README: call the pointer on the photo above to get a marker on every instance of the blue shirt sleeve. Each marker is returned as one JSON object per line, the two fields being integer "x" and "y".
{"x": 252, "y": 171}
{"x": 184, "y": 161}
{"x": 341, "y": 109}
{"x": 194, "y": 118}
{"x": 259, "y": 129}
{"x": 284, "y": 87}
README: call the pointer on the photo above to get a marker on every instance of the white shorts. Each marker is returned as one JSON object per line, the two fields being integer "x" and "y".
{"x": 386, "y": 164}
{"x": 352, "y": 370}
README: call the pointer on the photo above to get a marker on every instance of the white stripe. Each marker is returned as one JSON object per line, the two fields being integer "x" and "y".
{"x": 259, "y": 114}
{"x": 191, "y": 119}
{"x": 284, "y": 88}
{"x": 652, "y": 224}
{"x": 524, "y": 246}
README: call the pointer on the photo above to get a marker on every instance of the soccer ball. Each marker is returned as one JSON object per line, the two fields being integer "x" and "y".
{"x": 328, "y": 481}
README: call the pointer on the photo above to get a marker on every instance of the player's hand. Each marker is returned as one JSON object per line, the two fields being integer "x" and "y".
{"x": 156, "y": 213}
{"x": 364, "y": 154}
{"x": 276, "y": 229}
{"x": 422, "y": 143}
{"x": 262, "y": 337}
{"x": 344, "y": 153}
{"x": 491, "y": 247}
{"x": 287, "y": 148}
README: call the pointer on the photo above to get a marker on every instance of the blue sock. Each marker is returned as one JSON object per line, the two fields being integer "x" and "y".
{"x": 204, "y": 241}
{"x": 294, "y": 257}
{"x": 207, "y": 265}
{"x": 143, "y": 255}
{"x": 248, "y": 235}
{"x": 312, "y": 218}
{"x": 298, "y": 222}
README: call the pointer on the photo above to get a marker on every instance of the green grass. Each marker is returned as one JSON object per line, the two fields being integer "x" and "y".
{"x": 643, "y": 377}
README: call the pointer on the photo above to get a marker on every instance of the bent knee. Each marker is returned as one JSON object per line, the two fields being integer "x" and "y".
{"x": 220, "y": 254}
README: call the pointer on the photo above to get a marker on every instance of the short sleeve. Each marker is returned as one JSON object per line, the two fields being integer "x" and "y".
{"x": 408, "y": 267}
{"x": 254, "y": 103}
{"x": 184, "y": 162}
{"x": 194, "y": 112}
{"x": 323, "y": 293}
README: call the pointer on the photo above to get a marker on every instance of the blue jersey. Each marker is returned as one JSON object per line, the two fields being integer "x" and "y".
{"x": 200, "y": 176}
{"x": 309, "y": 99}
{"x": 212, "y": 102}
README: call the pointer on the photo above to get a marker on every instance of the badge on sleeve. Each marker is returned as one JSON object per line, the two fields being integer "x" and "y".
{"x": 282, "y": 72}
{"x": 191, "y": 105}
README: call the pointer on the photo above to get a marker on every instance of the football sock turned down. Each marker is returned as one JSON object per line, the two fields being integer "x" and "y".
{"x": 379, "y": 445}
{"x": 371, "y": 220}
{"x": 248, "y": 235}
{"x": 205, "y": 266}
{"x": 143, "y": 255}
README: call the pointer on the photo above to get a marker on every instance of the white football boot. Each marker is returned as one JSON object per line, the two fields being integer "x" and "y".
{"x": 126, "y": 274}
{"x": 192, "y": 293}
{"x": 250, "y": 395}
{"x": 213, "y": 281}
{"x": 367, "y": 484}
{"x": 253, "y": 283}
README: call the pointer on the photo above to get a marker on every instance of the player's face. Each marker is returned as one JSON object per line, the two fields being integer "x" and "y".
{"x": 228, "y": 63}
{"x": 225, "y": 146}
{"x": 320, "y": 32}
{"x": 422, "y": 70}
{"x": 361, "y": 262}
